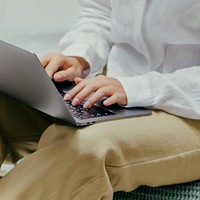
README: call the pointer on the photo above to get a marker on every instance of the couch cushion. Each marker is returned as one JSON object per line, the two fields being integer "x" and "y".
{"x": 186, "y": 191}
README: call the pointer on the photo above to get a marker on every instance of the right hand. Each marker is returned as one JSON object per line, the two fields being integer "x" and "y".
{"x": 61, "y": 67}
{"x": 95, "y": 88}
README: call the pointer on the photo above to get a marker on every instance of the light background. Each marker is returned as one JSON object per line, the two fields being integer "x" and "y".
{"x": 36, "y": 25}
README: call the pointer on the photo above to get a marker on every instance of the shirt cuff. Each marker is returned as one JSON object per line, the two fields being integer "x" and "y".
{"x": 137, "y": 90}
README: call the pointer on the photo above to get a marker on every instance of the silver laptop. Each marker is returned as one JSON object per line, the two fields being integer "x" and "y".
{"x": 24, "y": 78}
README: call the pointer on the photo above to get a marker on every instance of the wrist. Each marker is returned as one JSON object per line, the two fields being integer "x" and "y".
{"x": 84, "y": 66}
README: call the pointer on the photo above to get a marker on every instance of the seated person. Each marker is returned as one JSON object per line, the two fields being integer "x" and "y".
{"x": 152, "y": 53}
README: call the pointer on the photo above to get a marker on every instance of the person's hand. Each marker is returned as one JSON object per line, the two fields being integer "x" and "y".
{"x": 96, "y": 88}
{"x": 61, "y": 68}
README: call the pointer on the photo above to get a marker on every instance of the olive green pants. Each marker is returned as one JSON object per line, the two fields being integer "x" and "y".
{"x": 64, "y": 162}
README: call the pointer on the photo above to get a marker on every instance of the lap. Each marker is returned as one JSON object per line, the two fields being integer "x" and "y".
{"x": 154, "y": 150}
{"x": 150, "y": 150}
{"x": 160, "y": 130}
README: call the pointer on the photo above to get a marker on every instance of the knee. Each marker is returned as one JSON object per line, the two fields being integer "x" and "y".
{"x": 79, "y": 141}
{"x": 89, "y": 143}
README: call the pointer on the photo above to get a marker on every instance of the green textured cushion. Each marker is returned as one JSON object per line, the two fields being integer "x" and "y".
{"x": 187, "y": 191}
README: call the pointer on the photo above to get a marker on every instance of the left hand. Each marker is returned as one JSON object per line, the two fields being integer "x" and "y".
{"x": 61, "y": 67}
{"x": 96, "y": 88}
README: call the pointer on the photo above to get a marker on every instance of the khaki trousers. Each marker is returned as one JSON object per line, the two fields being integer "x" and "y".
{"x": 92, "y": 162}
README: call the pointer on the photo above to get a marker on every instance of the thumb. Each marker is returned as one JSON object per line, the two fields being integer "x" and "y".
{"x": 77, "y": 80}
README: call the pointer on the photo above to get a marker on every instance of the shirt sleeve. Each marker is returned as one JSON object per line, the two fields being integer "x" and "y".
{"x": 177, "y": 93}
{"x": 90, "y": 36}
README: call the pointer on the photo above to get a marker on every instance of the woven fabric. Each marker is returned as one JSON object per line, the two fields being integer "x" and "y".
{"x": 188, "y": 191}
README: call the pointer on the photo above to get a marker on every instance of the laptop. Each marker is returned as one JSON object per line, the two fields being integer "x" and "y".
{"x": 24, "y": 78}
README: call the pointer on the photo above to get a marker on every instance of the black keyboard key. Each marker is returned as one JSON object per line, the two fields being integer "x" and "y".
{"x": 93, "y": 112}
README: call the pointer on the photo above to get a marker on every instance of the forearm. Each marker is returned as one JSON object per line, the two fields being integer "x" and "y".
{"x": 90, "y": 36}
{"x": 177, "y": 93}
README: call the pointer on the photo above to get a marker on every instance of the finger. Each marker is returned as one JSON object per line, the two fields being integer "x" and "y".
{"x": 83, "y": 94}
{"x": 80, "y": 91}
{"x": 67, "y": 74}
{"x": 44, "y": 62}
{"x": 45, "y": 59}
{"x": 71, "y": 93}
{"x": 116, "y": 98}
{"x": 111, "y": 100}
{"x": 53, "y": 66}
{"x": 77, "y": 80}
{"x": 102, "y": 92}
{"x": 91, "y": 85}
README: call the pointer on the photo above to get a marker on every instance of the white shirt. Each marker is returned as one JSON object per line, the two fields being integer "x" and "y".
{"x": 152, "y": 47}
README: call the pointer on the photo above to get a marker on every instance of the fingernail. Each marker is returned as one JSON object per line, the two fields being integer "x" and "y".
{"x": 106, "y": 103}
{"x": 75, "y": 101}
{"x": 67, "y": 97}
{"x": 58, "y": 77}
{"x": 86, "y": 105}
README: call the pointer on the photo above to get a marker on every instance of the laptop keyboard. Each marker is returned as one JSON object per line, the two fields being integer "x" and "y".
{"x": 93, "y": 112}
